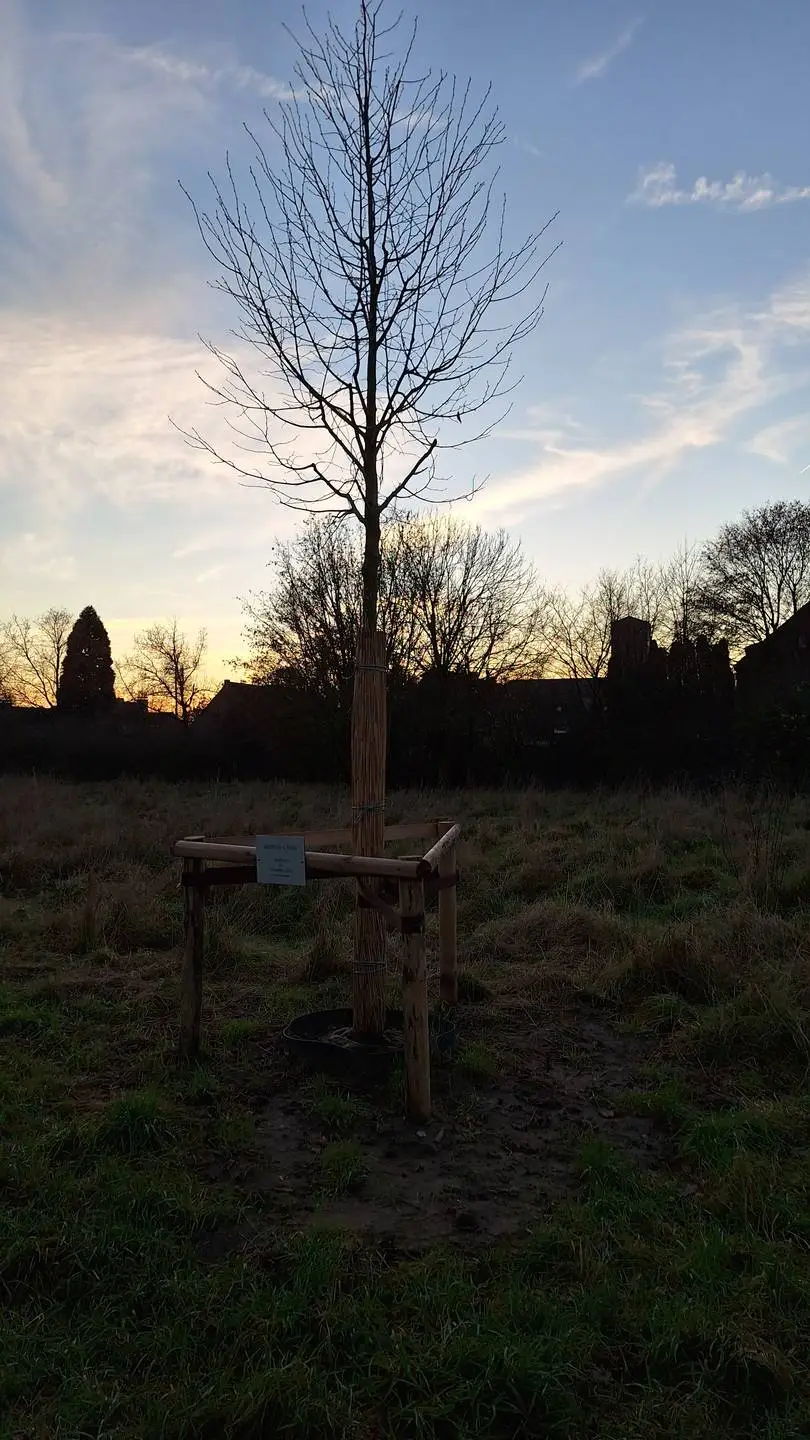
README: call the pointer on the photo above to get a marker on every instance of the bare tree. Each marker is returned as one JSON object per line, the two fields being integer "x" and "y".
{"x": 166, "y": 669}
{"x": 580, "y": 625}
{"x": 304, "y": 629}
{"x": 35, "y": 650}
{"x": 683, "y": 615}
{"x": 364, "y": 283}
{"x": 757, "y": 571}
{"x": 8, "y": 684}
{"x": 476, "y": 599}
{"x": 452, "y": 599}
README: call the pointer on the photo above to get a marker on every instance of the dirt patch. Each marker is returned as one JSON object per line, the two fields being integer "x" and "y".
{"x": 495, "y": 1155}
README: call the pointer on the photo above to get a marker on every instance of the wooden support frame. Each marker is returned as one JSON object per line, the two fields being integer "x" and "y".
{"x": 215, "y": 862}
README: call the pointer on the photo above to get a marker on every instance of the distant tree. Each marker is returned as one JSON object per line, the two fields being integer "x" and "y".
{"x": 579, "y": 625}
{"x": 8, "y": 688}
{"x": 757, "y": 571}
{"x": 34, "y": 651}
{"x": 683, "y": 614}
{"x": 166, "y": 669}
{"x": 304, "y": 629}
{"x": 88, "y": 679}
{"x": 476, "y": 600}
{"x": 453, "y": 599}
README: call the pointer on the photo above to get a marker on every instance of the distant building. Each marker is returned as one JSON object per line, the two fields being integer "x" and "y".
{"x": 778, "y": 666}
{"x": 274, "y": 730}
{"x": 550, "y": 708}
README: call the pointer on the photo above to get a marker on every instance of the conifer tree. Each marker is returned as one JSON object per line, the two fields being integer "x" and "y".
{"x": 88, "y": 678}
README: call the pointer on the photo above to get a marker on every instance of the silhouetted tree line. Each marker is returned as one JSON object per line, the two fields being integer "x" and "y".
{"x": 637, "y": 667}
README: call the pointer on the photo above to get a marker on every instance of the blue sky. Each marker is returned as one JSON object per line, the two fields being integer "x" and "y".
{"x": 666, "y": 388}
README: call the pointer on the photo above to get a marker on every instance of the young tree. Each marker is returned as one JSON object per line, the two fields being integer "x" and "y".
{"x": 757, "y": 571}
{"x": 87, "y": 683}
{"x": 166, "y": 668}
{"x": 366, "y": 286}
{"x": 34, "y": 651}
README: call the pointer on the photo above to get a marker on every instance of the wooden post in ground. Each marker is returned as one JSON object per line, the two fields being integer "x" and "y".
{"x": 448, "y": 946}
{"x": 192, "y": 976}
{"x": 415, "y": 1000}
{"x": 368, "y": 829}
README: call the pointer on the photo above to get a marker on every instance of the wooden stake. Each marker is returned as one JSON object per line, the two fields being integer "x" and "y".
{"x": 368, "y": 827}
{"x": 192, "y": 976}
{"x": 448, "y": 945}
{"x": 415, "y": 1000}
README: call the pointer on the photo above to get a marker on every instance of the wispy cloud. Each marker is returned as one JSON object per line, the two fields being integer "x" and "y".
{"x": 782, "y": 441}
{"x": 98, "y": 287}
{"x": 91, "y": 129}
{"x": 659, "y": 186}
{"x": 85, "y": 139}
{"x": 598, "y": 65}
{"x": 716, "y": 375}
{"x": 185, "y": 70}
{"x": 527, "y": 147}
{"x": 84, "y": 419}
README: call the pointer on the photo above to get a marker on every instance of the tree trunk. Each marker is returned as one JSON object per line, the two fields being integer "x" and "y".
{"x": 368, "y": 827}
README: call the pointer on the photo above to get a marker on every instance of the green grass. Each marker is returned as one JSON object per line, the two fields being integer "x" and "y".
{"x": 669, "y": 1299}
{"x": 480, "y": 1063}
{"x": 343, "y": 1167}
{"x": 336, "y": 1109}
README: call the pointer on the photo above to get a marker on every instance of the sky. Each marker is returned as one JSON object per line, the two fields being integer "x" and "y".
{"x": 666, "y": 388}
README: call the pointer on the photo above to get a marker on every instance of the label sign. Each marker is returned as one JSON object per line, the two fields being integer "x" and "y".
{"x": 281, "y": 860}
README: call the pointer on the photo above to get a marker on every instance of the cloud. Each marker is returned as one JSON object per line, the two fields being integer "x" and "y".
{"x": 93, "y": 134}
{"x": 36, "y": 554}
{"x": 716, "y": 375}
{"x": 183, "y": 70}
{"x": 781, "y": 441}
{"x": 658, "y": 186}
{"x": 97, "y": 293}
{"x": 527, "y": 147}
{"x": 84, "y": 419}
{"x": 86, "y": 139}
{"x": 598, "y": 65}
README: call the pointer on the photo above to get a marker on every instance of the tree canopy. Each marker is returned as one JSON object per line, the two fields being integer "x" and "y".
{"x": 365, "y": 256}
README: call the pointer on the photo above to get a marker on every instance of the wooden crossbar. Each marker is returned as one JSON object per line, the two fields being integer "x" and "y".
{"x": 319, "y": 863}
{"x": 443, "y": 846}
{"x": 340, "y": 835}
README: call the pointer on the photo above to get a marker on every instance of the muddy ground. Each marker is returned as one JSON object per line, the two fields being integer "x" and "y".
{"x": 495, "y": 1155}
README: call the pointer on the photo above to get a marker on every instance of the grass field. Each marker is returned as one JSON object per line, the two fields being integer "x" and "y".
{"x": 604, "y": 1230}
